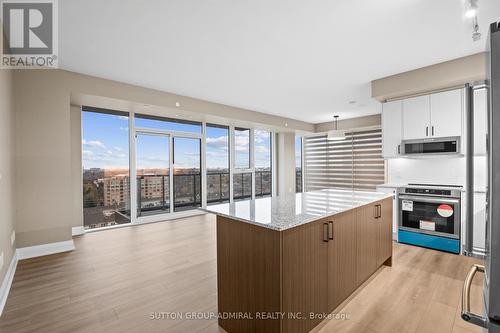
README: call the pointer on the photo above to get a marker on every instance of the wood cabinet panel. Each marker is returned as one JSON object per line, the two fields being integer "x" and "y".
{"x": 341, "y": 259}
{"x": 384, "y": 222}
{"x": 366, "y": 242}
{"x": 305, "y": 275}
{"x": 248, "y": 274}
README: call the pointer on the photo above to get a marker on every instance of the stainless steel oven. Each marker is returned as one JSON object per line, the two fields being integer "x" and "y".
{"x": 430, "y": 216}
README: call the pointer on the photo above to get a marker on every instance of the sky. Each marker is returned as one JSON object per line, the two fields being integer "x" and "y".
{"x": 298, "y": 151}
{"x": 105, "y": 145}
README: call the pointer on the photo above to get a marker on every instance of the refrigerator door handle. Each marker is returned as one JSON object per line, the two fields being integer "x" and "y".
{"x": 466, "y": 314}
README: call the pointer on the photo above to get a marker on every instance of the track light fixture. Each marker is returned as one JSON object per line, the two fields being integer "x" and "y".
{"x": 472, "y": 9}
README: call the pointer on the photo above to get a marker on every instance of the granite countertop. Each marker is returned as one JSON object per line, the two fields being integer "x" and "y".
{"x": 285, "y": 212}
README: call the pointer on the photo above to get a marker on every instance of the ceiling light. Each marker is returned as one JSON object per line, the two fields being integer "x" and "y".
{"x": 177, "y": 104}
{"x": 471, "y": 9}
{"x": 146, "y": 105}
{"x": 336, "y": 134}
{"x": 286, "y": 124}
{"x": 352, "y": 102}
{"x": 471, "y": 12}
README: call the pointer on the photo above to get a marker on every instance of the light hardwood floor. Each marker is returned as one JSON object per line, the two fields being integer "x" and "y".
{"x": 115, "y": 279}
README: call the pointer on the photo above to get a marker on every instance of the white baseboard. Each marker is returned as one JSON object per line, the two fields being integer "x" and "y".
{"x": 7, "y": 282}
{"x": 77, "y": 231}
{"x": 44, "y": 249}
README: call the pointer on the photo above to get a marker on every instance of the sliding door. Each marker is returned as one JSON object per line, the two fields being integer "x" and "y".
{"x": 153, "y": 174}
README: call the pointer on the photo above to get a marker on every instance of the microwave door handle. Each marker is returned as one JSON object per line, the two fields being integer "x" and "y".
{"x": 436, "y": 200}
{"x": 466, "y": 314}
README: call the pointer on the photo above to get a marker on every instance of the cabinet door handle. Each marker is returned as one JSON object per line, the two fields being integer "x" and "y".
{"x": 432, "y": 130}
{"x": 426, "y": 130}
{"x": 399, "y": 149}
{"x": 379, "y": 211}
{"x": 325, "y": 232}
{"x": 330, "y": 230}
{"x": 376, "y": 211}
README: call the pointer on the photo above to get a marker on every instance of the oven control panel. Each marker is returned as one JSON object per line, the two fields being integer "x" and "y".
{"x": 428, "y": 191}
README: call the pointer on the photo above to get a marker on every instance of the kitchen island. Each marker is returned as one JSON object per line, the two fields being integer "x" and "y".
{"x": 285, "y": 263}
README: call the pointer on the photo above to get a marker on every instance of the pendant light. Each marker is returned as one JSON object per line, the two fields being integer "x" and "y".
{"x": 336, "y": 134}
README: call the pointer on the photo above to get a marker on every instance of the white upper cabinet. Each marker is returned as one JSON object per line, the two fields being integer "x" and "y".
{"x": 416, "y": 117}
{"x": 480, "y": 121}
{"x": 446, "y": 113}
{"x": 436, "y": 115}
{"x": 391, "y": 128}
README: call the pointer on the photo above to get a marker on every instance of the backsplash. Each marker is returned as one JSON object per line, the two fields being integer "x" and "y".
{"x": 434, "y": 170}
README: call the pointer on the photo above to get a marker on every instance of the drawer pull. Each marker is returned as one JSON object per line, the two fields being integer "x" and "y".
{"x": 325, "y": 232}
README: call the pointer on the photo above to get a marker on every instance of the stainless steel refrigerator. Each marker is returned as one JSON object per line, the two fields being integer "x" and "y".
{"x": 490, "y": 319}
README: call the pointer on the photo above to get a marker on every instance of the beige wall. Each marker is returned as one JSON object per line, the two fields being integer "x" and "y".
{"x": 6, "y": 170}
{"x": 431, "y": 78}
{"x": 75, "y": 118}
{"x": 366, "y": 121}
{"x": 48, "y": 148}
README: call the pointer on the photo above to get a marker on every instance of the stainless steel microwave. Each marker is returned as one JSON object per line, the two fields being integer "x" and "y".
{"x": 441, "y": 146}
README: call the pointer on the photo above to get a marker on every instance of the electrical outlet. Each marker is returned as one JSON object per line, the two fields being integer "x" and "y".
{"x": 12, "y": 238}
{"x": 1, "y": 261}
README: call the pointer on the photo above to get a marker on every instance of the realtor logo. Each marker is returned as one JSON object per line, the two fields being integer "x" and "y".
{"x": 29, "y": 36}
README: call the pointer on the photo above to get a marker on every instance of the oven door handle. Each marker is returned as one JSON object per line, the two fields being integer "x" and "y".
{"x": 466, "y": 314}
{"x": 423, "y": 199}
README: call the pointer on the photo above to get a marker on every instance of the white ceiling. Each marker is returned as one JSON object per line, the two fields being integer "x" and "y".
{"x": 299, "y": 59}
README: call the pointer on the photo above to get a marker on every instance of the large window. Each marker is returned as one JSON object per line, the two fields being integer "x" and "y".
{"x": 172, "y": 170}
{"x": 241, "y": 148}
{"x": 105, "y": 161}
{"x": 263, "y": 161}
{"x": 298, "y": 164}
{"x": 354, "y": 163}
{"x": 217, "y": 162}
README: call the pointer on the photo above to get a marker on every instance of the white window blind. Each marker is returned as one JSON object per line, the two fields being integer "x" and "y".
{"x": 353, "y": 163}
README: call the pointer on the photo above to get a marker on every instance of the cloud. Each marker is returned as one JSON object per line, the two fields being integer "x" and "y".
{"x": 241, "y": 143}
{"x": 262, "y": 136}
{"x": 93, "y": 143}
{"x": 218, "y": 142}
{"x": 153, "y": 159}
